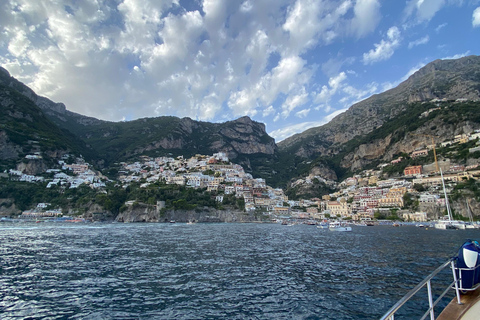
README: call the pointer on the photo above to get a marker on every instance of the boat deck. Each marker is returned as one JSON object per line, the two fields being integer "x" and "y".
{"x": 468, "y": 310}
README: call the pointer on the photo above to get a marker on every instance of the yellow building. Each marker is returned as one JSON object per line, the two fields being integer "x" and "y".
{"x": 339, "y": 209}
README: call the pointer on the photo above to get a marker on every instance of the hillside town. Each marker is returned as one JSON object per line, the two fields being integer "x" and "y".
{"x": 362, "y": 197}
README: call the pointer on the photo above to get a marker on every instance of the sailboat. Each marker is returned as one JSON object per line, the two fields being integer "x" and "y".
{"x": 447, "y": 222}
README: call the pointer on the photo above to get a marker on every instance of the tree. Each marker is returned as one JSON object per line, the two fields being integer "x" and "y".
{"x": 407, "y": 200}
{"x": 419, "y": 187}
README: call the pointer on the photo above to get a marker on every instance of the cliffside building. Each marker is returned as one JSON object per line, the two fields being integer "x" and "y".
{"x": 412, "y": 171}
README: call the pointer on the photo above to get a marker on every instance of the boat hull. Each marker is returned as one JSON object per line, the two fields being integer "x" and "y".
{"x": 342, "y": 229}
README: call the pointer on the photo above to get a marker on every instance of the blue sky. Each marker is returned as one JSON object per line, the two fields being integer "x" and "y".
{"x": 289, "y": 64}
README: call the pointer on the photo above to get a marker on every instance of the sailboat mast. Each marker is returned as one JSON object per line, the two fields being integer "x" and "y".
{"x": 446, "y": 198}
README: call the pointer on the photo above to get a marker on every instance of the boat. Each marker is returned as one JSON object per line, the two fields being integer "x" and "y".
{"x": 447, "y": 222}
{"x": 396, "y": 224}
{"x": 337, "y": 226}
{"x": 465, "y": 273}
{"x": 323, "y": 225}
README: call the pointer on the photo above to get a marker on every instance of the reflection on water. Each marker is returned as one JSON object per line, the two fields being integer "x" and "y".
{"x": 214, "y": 271}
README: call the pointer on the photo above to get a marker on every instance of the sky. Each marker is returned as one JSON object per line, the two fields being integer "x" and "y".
{"x": 291, "y": 64}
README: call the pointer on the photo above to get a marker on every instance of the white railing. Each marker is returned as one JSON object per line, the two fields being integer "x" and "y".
{"x": 427, "y": 282}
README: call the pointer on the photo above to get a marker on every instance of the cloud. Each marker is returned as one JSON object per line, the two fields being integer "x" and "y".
{"x": 210, "y": 60}
{"x": 268, "y": 111}
{"x": 287, "y": 78}
{"x": 385, "y": 49}
{"x": 333, "y": 65}
{"x": 354, "y": 95}
{"x": 457, "y": 56}
{"x": 423, "y": 40}
{"x": 302, "y": 113}
{"x": 366, "y": 17}
{"x": 476, "y": 17}
{"x": 440, "y": 27}
{"x": 294, "y": 101}
{"x": 303, "y": 24}
{"x": 327, "y": 92}
{"x": 283, "y": 133}
{"x": 424, "y": 10}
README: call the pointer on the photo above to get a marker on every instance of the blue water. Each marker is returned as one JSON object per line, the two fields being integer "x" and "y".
{"x": 214, "y": 271}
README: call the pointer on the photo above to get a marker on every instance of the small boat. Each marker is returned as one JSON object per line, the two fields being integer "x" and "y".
{"x": 322, "y": 225}
{"x": 337, "y": 226}
{"x": 396, "y": 225}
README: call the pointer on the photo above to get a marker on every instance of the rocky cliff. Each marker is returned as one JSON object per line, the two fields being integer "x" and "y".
{"x": 54, "y": 110}
{"x": 146, "y": 213}
{"x": 440, "y": 79}
{"x": 381, "y": 127}
{"x": 104, "y": 142}
{"x": 25, "y": 130}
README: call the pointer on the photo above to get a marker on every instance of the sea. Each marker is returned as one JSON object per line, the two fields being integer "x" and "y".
{"x": 217, "y": 271}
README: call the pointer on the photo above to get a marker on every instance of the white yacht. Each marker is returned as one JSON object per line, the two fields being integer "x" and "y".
{"x": 337, "y": 226}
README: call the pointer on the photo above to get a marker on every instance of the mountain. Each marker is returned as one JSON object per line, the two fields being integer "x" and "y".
{"x": 171, "y": 135}
{"x": 441, "y": 99}
{"x": 440, "y": 79}
{"x": 107, "y": 142}
{"x": 385, "y": 125}
{"x": 25, "y": 130}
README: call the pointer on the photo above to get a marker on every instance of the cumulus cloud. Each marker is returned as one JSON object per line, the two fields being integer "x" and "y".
{"x": 476, "y": 17}
{"x": 367, "y": 16}
{"x": 131, "y": 59}
{"x": 385, "y": 49}
{"x": 210, "y": 60}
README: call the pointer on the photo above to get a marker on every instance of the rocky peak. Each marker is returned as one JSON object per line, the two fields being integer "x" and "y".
{"x": 441, "y": 79}
{"x": 5, "y": 72}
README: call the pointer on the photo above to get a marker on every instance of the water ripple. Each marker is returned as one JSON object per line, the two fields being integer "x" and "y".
{"x": 213, "y": 271}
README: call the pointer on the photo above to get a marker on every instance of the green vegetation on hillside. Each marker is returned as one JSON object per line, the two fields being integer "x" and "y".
{"x": 403, "y": 124}
{"x": 28, "y": 195}
{"x": 28, "y": 128}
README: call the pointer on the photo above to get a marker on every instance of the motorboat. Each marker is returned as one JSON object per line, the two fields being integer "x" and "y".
{"x": 337, "y": 226}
